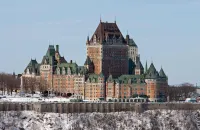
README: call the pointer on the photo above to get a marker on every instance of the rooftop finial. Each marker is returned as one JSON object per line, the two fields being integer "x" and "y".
{"x": 100, "y": 18}
{"x": 115, "y": 19}
{"x": 88, "y": 39}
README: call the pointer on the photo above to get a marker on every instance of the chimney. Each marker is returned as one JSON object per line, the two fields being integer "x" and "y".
{"x": 57, "y": 48}
{"x": 70, "y": 61}
{"x": 127, "y": 38}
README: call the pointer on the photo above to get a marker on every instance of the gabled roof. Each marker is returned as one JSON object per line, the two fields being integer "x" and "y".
{"x": 106, "y": 29}
{"x": 162, "y": 73}
{"x": 110, "y": 78}
{"x": 152, "y": 72}
{"x": 132, "y": 43}
{"x": 33, "y": 67}
{"x": 62, "y": 60}
{"x": 139, "y": 66}
{"x": 50, "y": 51}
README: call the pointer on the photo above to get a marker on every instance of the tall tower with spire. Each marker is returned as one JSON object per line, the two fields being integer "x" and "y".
{"x": 146, "y": 67}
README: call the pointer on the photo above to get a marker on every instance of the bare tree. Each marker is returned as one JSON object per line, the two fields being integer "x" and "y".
{"x": 180, "y": 92}
{"x": 42, "y": 85}
{"x": 32, "y": 85}
{"x": 8, "y": 83}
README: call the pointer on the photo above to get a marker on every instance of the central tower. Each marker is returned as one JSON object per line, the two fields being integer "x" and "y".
{"x": 108, "y": 50}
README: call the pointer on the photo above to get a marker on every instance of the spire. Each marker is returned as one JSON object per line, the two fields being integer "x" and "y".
{"x": 88, "y": 39}
{"x": 146, "y": 67}
{"x": 115, "y": 19}
{"x": 152, "y": 72}
{"x": 162, "y": 73}
{"x": 100, "y": 18}
{"x": 13, "y": 73}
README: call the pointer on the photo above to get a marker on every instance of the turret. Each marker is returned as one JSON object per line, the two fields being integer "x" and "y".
{"x": 162, "y": 74}
{"x": 139, "y": 68}
{"x": 88, "y": 41}
{"x": 57, "y": 48}
{"x": 146, "y": 67}
{"x": 127, "y": 38}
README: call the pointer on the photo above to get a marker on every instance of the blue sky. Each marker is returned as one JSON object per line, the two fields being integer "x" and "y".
{"x": 166, "y": 32}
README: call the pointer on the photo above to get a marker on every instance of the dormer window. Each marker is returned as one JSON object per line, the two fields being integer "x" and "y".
{"x": 114, "y": 39}
{"x": 68, "y": 71}
{"x": 95, "y": 38}
{"x": 63, "y": 71}
{"x": 58, "y": 71}
{"x": 27, "y": 71}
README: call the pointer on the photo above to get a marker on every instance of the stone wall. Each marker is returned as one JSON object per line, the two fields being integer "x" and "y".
{"x": 95, "y": 107}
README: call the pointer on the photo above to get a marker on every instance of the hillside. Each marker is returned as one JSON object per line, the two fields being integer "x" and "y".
{"x": 149, "y": 120}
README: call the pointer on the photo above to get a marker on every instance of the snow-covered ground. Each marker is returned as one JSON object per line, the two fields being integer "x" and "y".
{"x": 34, "y": 99}
{"x": 31, "y": 98}
{"x": 149, "y": 120}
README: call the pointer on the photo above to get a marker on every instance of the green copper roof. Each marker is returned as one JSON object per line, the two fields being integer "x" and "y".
{"x": 162, "y": 73}
{"x": 152, "y": 72}
{"x": 33, "y": 67}
{"x": 94, "y": 78}
{"x": 82, "y": 70}
{"x": 132, "y": 43}
{"x": 131, "y": 79}
{"x": 50, "y": 51}
{"x": 88, "y": 61}
{"x": 73, "y": 67}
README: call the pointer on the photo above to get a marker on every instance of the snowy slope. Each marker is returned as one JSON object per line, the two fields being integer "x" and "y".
{"x": 149, "y": 120}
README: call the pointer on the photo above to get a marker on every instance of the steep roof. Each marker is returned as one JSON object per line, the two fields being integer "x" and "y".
{"x": 110, "y": 78}
{"x": 132, "y": 43}
{"x": 88, "y": 61}
{"x": 152, "y": 73}
{"x": 139, "y": 65}
{"x": 162, "y": 73}
{"x": 62, "y": 60}
{"x": 33, "y": 67}
{"x": 106, "y": 29}
{"x": 50, "y": 51}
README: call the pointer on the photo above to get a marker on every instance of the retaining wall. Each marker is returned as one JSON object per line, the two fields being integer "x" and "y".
{"x": 95, "y": 107}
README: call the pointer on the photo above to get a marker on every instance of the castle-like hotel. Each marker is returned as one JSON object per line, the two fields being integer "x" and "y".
{"x": 112, "y": 69}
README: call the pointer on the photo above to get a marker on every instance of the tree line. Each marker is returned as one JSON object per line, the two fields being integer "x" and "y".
{"x": 33, "y": 84}
{"x": 180, "y": 92}
{"x": 10, "y": 83}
